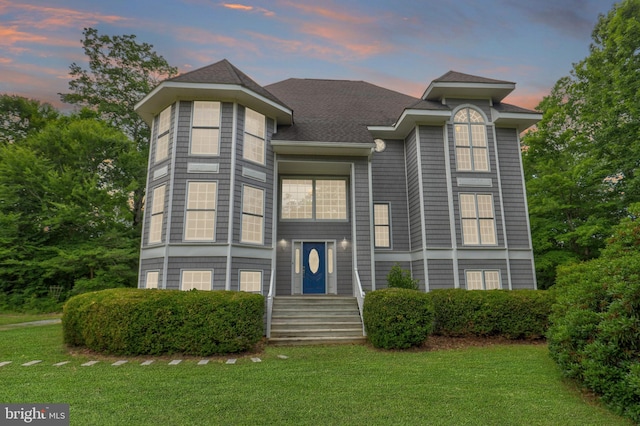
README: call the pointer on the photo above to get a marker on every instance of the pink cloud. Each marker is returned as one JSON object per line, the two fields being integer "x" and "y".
{"x": 333, "y": 14}
{"x": 246, "y": 8}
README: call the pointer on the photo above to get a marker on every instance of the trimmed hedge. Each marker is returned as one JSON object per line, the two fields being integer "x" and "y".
{"x": 397, "y": 318}
{"x": 514, "y": 314}
{"x": 156, "y": 322}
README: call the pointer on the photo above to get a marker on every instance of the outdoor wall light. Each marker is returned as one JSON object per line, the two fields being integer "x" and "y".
{"x": 344, "y": 243}
{"x": 283, "y": 244}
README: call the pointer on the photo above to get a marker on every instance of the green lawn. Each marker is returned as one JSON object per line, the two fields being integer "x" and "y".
{"x": 6, "y": 319}
{"x": 326, "y": 385}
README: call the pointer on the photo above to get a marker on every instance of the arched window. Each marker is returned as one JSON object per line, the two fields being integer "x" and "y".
{"x": 470, "y": 135}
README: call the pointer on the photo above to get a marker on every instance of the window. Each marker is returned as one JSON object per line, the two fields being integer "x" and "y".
{"x": 478, "y": 223}
{"x": 382, "y": 227}
{"x": 162, "y": 141}
{"x": 252, "y": 215}
{"x": 251, "y": 281}
{"x": 470, "y": 134}
{"x": 201, "y": 211}
{"x": 254, "y": 136}
{"x": 205, "y": 131}
{"x": 483, "y": 280}
{"x": 157, "y": 215}
{"x": 200, "y": 280}
{"x": 151, "y": 281}
{"x": 321, "y": 199}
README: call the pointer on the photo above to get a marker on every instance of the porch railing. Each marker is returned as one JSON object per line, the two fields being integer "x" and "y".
{"x": 359, "y": 296}
{"x": 270, "y": 301}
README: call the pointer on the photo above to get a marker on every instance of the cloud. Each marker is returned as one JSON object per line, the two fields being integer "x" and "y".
{"x": 50, "y": 18}
{"x": 247, "y": 8}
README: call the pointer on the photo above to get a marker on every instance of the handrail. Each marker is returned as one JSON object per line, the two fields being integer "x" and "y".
{"x": 270, "y": 301}
{"x": 359, "y": 297}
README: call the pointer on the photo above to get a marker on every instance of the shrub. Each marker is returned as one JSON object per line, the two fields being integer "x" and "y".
{"x": 595, "y": 325}
{"x": 397, "y": 318}
{"x": 154, "y": 322}
{"x": 520, "y": 314}
{"x": 595, "y": 332}
{"x": 399, "y": 278}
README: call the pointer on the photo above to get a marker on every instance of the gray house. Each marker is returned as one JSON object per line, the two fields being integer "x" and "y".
{"x": 318, "y": 187}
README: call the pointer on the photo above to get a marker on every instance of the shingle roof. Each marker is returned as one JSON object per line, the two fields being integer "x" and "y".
{"x": 223, "y": 72}
{"x": 340, "y": 110}
{"x": 502, "y": 107}
{"x": 458, "y": 77}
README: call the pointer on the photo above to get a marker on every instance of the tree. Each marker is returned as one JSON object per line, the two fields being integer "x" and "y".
{"x": 121, "y": 72}
{"x": 64, "y": 210}
{"x": 20, "y": 116}
{"x": 581, "y": 162}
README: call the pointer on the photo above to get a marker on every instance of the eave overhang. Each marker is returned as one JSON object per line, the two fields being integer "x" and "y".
{"x": 169, "y": 92}
{"x": 442, "y": 90}
{"x": 519, "y": 120}
{"x": 349, "y": 149}
{"x": 407, "y": 122}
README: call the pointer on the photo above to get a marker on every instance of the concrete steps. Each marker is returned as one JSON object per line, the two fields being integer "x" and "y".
{"x": 306, "y": 320}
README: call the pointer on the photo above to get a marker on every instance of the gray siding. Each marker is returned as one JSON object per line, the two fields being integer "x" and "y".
{"x": 363, "y": 223}
{"x": 266, "y": 185}
{"x": 389, "y": 182}
{"x": 522, "y": 274}
{"x": 177, "y": 264}
{"x": 484, "y": 264}
{"x": 413, "y": 192}
{"x": 469, "y": 189}
{"x": 243, "y": 263}
{"x": 440, "y": 274}
{"x": 382, "y": 270}
{"x": 436, "y": 200}
{"x": 513, "y": 193}
{"x": 417, "y": 273}
{"x": 150, "y": 265}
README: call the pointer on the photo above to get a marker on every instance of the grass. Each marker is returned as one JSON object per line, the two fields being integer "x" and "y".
{"x": 6, "y": 319}
{"x": 328, "y": 385}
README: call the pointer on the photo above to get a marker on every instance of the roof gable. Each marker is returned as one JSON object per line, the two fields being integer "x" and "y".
{"x": 224, "y": 72}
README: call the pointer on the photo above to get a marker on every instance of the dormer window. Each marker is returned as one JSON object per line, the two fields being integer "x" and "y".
{"x": 470, "y": 134}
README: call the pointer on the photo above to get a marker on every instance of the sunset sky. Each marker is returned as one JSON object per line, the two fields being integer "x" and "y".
{"x": 401, "y": 45}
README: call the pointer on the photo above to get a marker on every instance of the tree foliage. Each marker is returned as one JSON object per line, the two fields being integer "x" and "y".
{"x": 581, "y": 163}
{"x": 65, "y": 216}
{"x": 121, "y": 72}
{"x": 21, "y": 116}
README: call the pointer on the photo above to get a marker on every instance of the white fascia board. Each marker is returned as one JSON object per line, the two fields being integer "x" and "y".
{"x": 494, "y": 91}
{"x": 407, "y": 122}
{"x": 322, "y": 148}
{"x": 519, "y": 120}
{"x": 168, "y": 92}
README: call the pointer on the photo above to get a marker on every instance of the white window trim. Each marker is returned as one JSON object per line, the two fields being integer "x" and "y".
{"x": 263, "y": 138}
{"x": 157, "y": 213}
{"x": 243, "y": 213}
{"x": 187, "y": 210}
{"x": 471, "y": 146}
{"x": 260, "y": 271}
{"x": 477, "y": 221}
{"x": 388, "y": 225}
{"x": 182, "y": 272}
{"x": 159, "y": 134}
{"x": 146, "y": 279}
{"x": 314, "y": 216}
{"x": 193, "y": 109}
{"x": 484, "y": 278}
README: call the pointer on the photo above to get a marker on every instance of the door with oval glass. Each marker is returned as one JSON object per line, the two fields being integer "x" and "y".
{"x": 314, "y": 276}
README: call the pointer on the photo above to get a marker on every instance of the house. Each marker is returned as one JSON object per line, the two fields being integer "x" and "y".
{"x": 312, "y": 186}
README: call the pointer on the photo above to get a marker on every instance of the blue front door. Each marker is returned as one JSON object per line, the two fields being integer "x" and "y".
{"x": 314, "y": 277}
